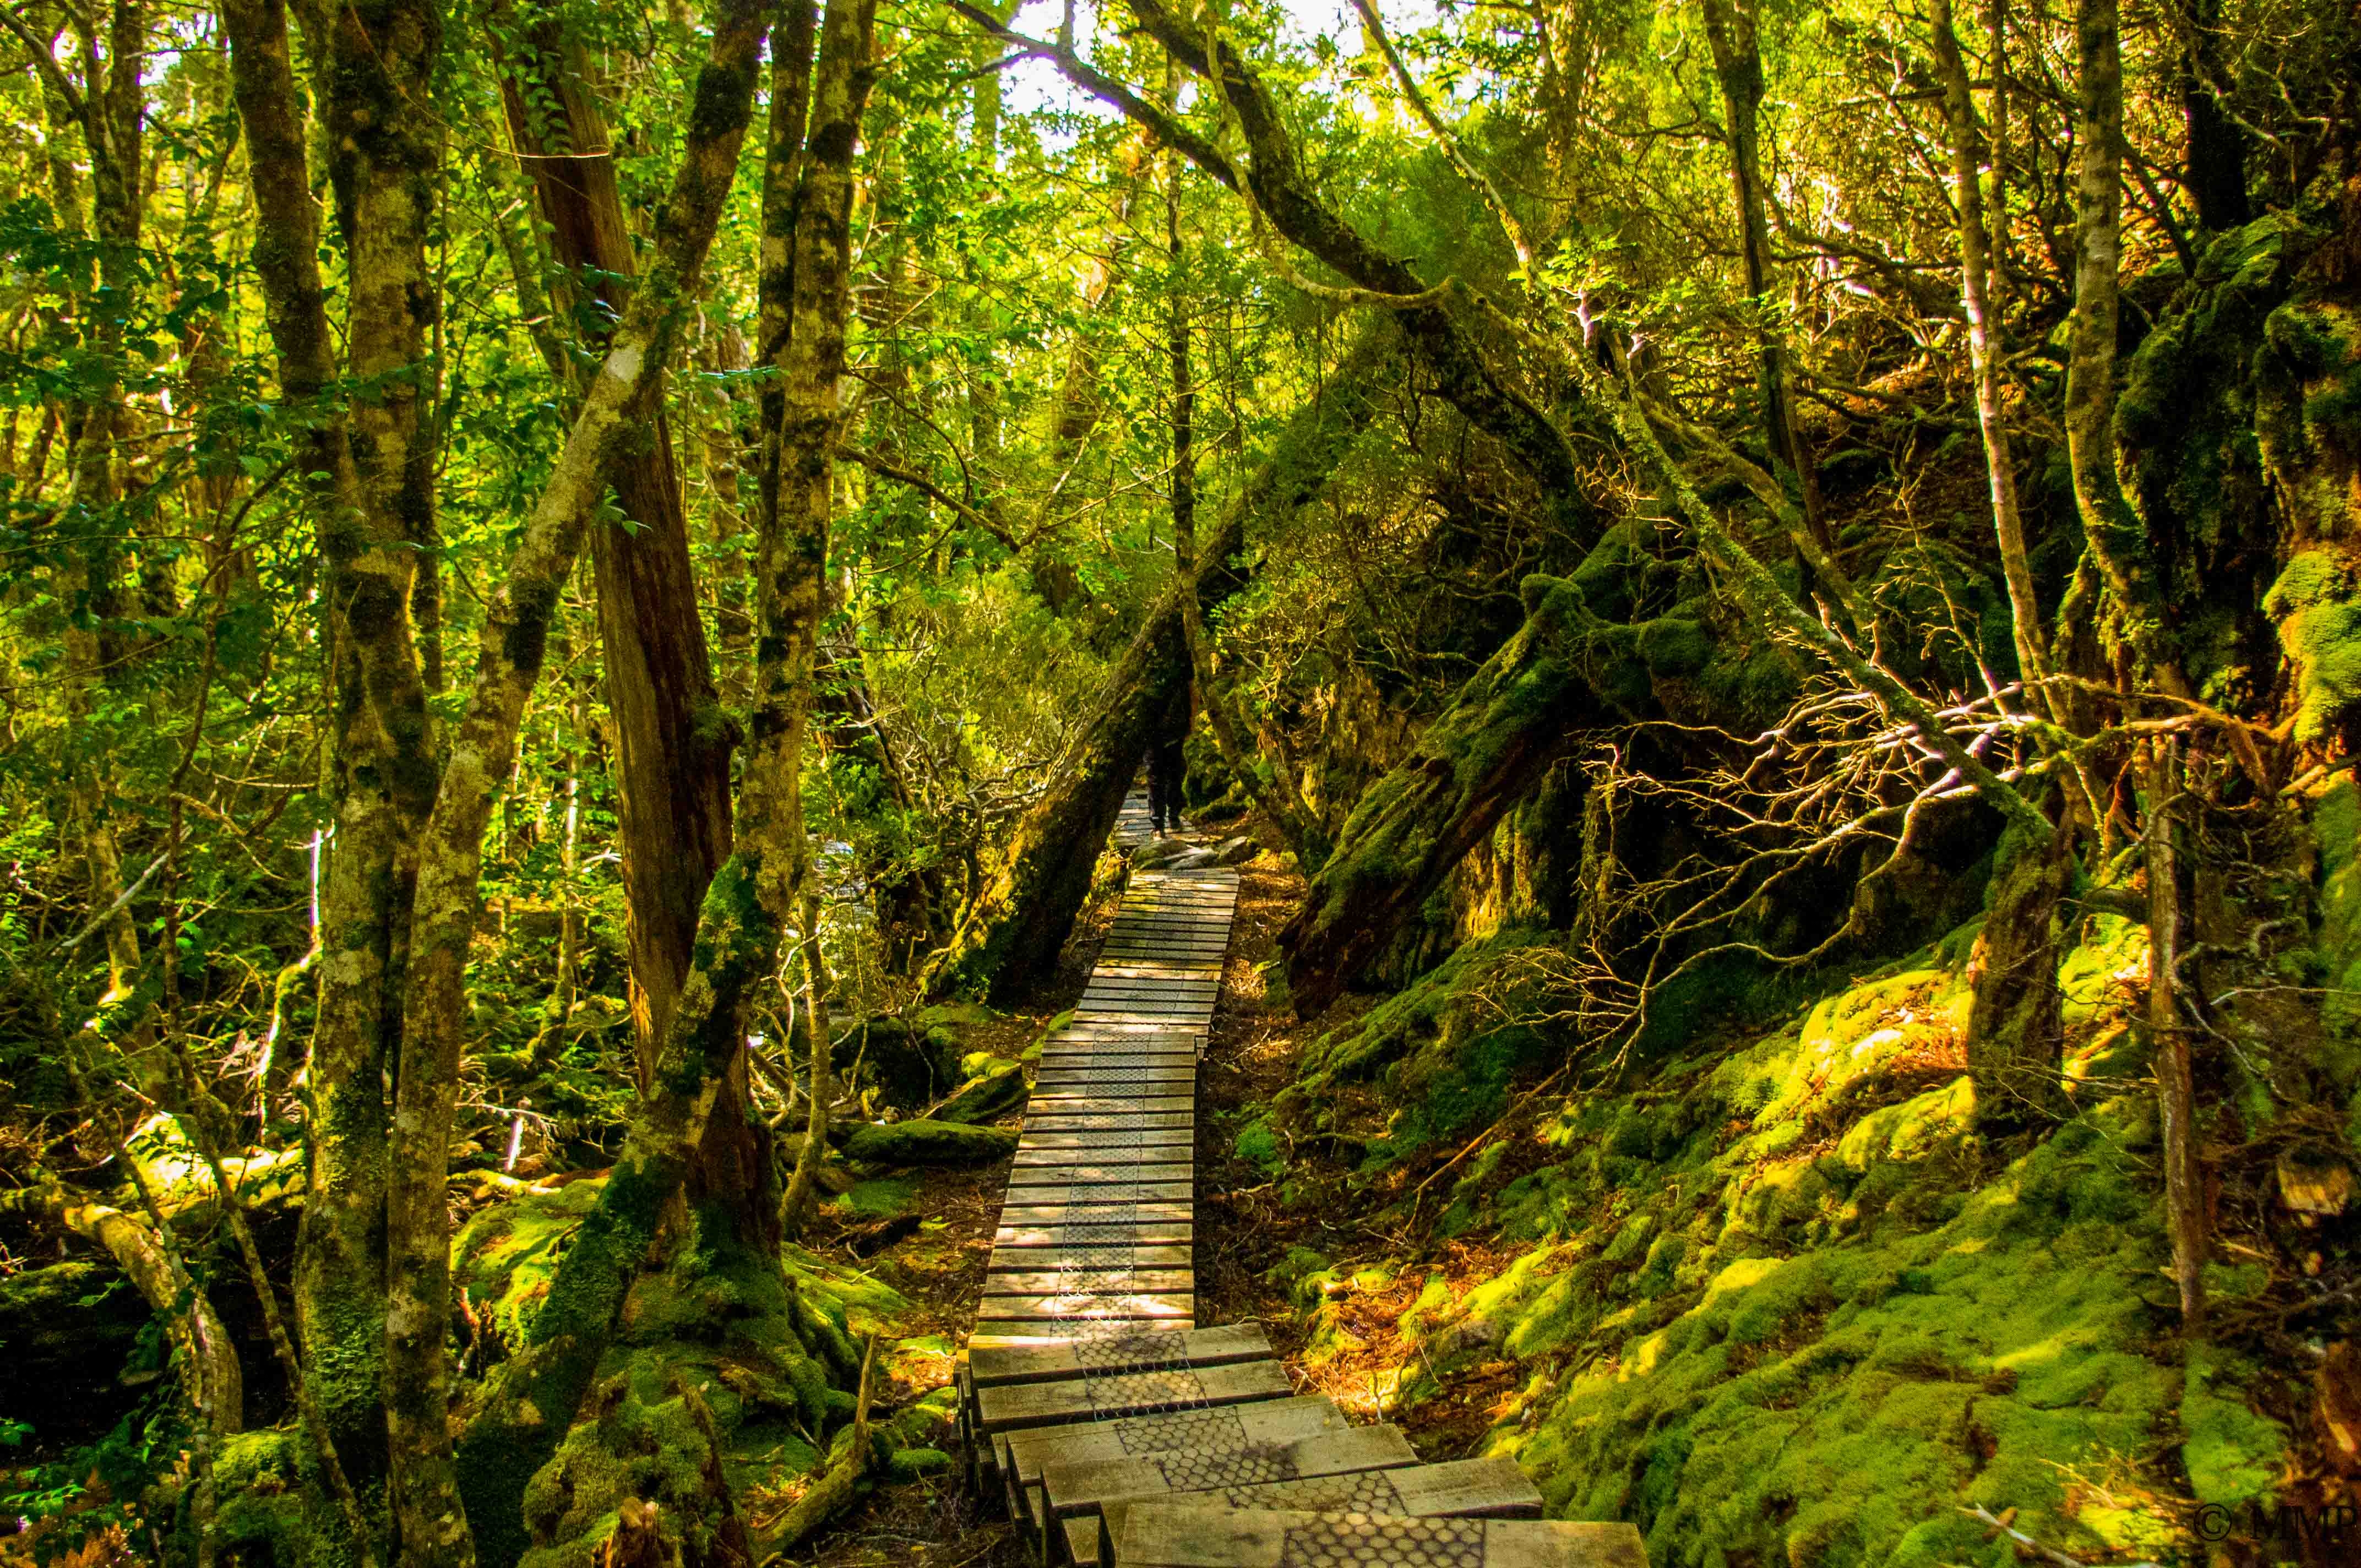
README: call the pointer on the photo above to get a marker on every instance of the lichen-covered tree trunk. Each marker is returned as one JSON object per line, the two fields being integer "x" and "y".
{"x": 1518, "y": 714}
{"x": 2015, "y": 1024}
{"x": 429, "y": 1512}
{"x": 1009, "y": 939}
{"x": 791, "y": 559}
{"x": 382, "y": 762}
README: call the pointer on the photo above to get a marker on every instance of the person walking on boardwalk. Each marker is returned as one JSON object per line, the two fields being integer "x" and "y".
{"x": 1166, "y": 764}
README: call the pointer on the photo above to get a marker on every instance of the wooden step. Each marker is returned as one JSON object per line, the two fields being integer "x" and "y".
{"x": 1102, "y": 1399}
{"x": 1082, "y": 1173}
{"x": 1088, "y": 1540}
{"x": 1138, "y": 1254}
{"x": 1022, "y": 1333}
{"x": 1171, "y": 1535}
{"x": 1462, "y": 1488}
{"x": 1219, "y": 1429}
{"x": 1091, "y": 1282}
{"x": 1109, "y": 1306}
{"x": 1087, "y": 1485}
{"x": 1088, "y": 1358}
{"x": 1180, "y": 1137}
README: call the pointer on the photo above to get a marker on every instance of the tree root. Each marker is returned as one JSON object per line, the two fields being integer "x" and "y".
{"x": 833, "y": 1492}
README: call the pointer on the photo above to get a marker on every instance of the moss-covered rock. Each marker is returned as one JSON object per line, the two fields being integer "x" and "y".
{"x": 925, "y": 1142}
{"x": 911, "y": 1062}
{"x": 987, "y": 1095}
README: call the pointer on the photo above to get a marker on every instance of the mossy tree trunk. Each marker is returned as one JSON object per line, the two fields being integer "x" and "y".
{"x": 1008, "y": 942}
{"x": 383, "y": 754}
{"x": 1522, "y": 711}
{"x": 799, "y": 463}
{"x": 2117, "y": 542}
{"x": 430, "y": 1517}
{"x": 2016, "y": 1027}
{"x": 748, "y": 907}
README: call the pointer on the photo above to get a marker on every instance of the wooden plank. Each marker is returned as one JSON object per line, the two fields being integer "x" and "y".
{"x": 1083, "y": 1358}
{"x": 1027, "y": 1259}
{"x": 1082, "y": 1535}
{"x": 1107, "y": 1306}
{"x": 1118, "y": 1137}
{"x": 1160, "y": 1104}
{"x": 1143, "y": 1192}
{"x": 1055, "y": 1149}
{"x": 1022, "y": 1333}
{"x": 1462, "y": 1488}
{"x": 1086, "y": 1105}
{"x": 1220, "y": 1428}
{"x": 1091, "y": 1281}
{"x": 1040, "y": 1121}
{"x": 1037, "y": 1210}
{"x": 1193, "y": 1535}
{"x": 1032, "y": 1235}
{"x": 1082, "y": 1487}
{"x": 1104, "y": 1400}
{"x": 1174, "y": 1173}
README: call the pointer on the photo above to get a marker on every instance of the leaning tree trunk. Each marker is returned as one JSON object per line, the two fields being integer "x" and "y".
{"x": 741, "y": 926}
{"x": 672, "y": 743}
{"x": 217, "y": 1384}
{"x": 432, "y": 1520}
{"x": 1009, "y": 941}
{"x": 1517, "y": 715}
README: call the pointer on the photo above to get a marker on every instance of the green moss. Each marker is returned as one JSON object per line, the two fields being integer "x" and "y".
{"x": 2233, "y": 1455}
{"x": 265, "y": 1488}
{"x": 924, "y": 1142}
{"x": 990, "y": 1091}
{"x": 881, "y": 1197}
{"x": 506, "y": 1255}
{"x": 1257, "y": 1143}
{"x": 2317, "y": 602}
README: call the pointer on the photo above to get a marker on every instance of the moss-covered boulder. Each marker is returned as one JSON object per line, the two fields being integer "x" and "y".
{"x": 912, "y": 1062}
{"x": 986, "y": 1097}
{"x": 924, "y": 1141}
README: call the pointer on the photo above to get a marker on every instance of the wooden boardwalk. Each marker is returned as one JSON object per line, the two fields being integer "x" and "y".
{"x": 1093, "y": 1407}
